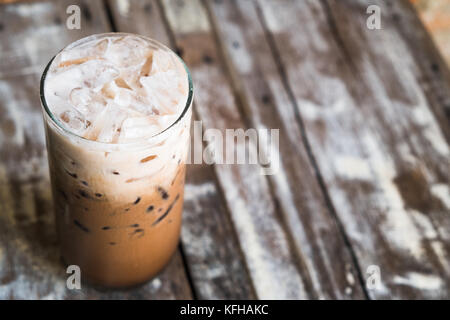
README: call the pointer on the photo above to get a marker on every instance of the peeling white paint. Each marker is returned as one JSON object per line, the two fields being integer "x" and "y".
{"x": 284, "y": 192}
{"x": 274, "y": 277}
{"x": 195, "y": 191}
{"x": 240, "y": 56}
{"x": 186, "y": 17}
{"x": 274, "y": 23}
{"x": 430, "y": 129}
{"x": 424, "y": 224}
{"x": 313, "y": 111}
{"x": 59, "y": 291}
{"x": 123, "y": 6}
{"x": 441, "y": 253}
{"x": 350, "y": 278}
{"x": 436, "y": 139}
{"x": 405, "y": 152}
{"x": 442, "y": 192}
{"x": 422, "y": 116}
{"x": 396, "y": 223}
{"x": 215, "y": 271}
{"x": 156, "y": 283}
{"x": 30, "y": 9}
{"x": 36, "y": 69}
{"x": 352, "y": 167}
{"x": 399, "y": 227}
{"x": 279, "y": 19}
{"x": 24, "y": 286}
{"x": 419, "y": 281}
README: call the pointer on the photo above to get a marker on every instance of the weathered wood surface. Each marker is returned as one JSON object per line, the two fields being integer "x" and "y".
{"x": 433, "y": 73}
{"x": 30, "y": 35}
{"x": 380, "y": 150}
{"x": 273, "y": 262}
{"x": 325, "y": 256}
{"x": 364, "y": 149}
{"x": 435, "y": 15}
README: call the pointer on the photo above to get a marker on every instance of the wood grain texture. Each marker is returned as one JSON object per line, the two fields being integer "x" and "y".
{"x": 209, "y": 241}
{"x": 436, "y": 18}
{"x": 381, "y": 152}
{"x": 272, "y": 260}
{"x": 364, "y": 147}
{"x": 141, "y": 17}
{"x": 430, "y": 67}
{"x": 255, "y": 77}
{"x": 31, "y": 34}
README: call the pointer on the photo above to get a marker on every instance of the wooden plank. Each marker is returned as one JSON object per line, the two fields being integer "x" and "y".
{"x": 209, "y": 241}
{"x": 266, "y": 104}
{"x": 212, "y": 251}
{"x": 381, "y": 152}
{"x": 274, "y": 265}
{"x": 435, "y": 16}
{"x": 141, "y": 17}
{"x": 31, "y": 34}
{"x": 431, "y": 68}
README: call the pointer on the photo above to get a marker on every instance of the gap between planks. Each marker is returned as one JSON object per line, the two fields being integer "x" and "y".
{"x": 242, "y": 100}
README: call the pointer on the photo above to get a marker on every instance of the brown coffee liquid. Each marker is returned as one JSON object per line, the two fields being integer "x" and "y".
{"x": 116, "y": 243}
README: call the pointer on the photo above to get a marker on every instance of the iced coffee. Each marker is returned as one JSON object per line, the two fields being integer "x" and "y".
{"x": 117, "y": 110}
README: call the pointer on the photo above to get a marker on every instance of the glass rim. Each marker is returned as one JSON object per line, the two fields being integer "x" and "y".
{"x": 64, "y": 130}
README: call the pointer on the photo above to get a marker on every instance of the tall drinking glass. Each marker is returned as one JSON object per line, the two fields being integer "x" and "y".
{"x": 117, "y": 192}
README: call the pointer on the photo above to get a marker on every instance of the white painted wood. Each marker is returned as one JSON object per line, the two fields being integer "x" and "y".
{"x": 263, "y": 240}
{"x": 379, "y": 148}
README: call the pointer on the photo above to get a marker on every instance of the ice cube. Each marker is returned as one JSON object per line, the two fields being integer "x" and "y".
{"x": 128, "y": 51}
{"x": 110, "y": 90}
{"x": 123, "y": 97}
{"x": 85, "y": 51}
{"x": 162, "y": 90}
{"x": 119, "y": 89}
{"x": 87, "y": 102}
{"x": 162, "y": 61}
{"x": 138, "y": 128}
{"x": 107, "y": 126}
{"x": 99, "y": 72}
{"x": 135, "y": 103}
{"x": 165, "y": 121}
{"x": 129, "y": 76}
{"x": 91, "y": 74}
{"x": 80, "y": 97}
{"x": 72, "y": 120}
